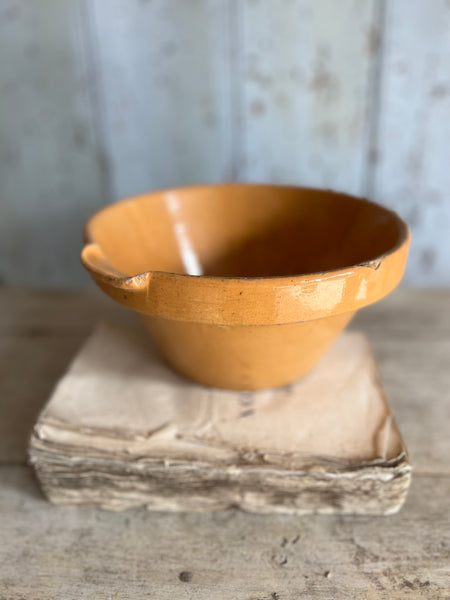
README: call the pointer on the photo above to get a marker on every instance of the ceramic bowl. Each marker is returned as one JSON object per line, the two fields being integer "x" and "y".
{"x": 245, "y": 286}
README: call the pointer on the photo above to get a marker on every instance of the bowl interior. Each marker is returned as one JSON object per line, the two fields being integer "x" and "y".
{"x": 244, "y": 231}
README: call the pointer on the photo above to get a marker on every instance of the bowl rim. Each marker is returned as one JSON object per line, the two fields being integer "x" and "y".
{"x": 244, "y": 301}
{"x": 403, "y": 229}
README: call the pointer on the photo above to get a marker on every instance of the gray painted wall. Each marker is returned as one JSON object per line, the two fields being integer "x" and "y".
{"x": 103, "y": 99}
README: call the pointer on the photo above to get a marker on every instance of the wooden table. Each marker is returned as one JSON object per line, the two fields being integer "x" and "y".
{"x": 48, "y": 552}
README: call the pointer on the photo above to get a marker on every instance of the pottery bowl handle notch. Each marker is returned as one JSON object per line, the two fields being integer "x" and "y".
{"x": 129, "y": 291}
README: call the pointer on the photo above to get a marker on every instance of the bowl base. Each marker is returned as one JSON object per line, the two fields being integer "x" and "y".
{"x": 244, "y": 357}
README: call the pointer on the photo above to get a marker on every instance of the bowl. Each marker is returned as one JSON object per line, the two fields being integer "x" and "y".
{"x": 245, "y": 286}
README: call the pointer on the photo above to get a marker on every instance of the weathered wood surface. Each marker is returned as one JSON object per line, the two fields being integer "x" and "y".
{"x": 412, "y": 128}
{"x": 165, "y": 75}
{"x": 51, "y": 163}
{"x": 40, "y": 332}
{"x": 85, "y": 553}
{"x": 307, "y": 72}
{"x": 48, "y": 552}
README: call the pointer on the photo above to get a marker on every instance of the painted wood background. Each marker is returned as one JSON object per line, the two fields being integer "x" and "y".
{"x": 103, "y": 99}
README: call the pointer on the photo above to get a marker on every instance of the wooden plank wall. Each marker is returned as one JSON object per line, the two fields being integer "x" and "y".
{"x": 51, "y": 168}
{"x": 103, "y": 99}
{"x": 411, "y": 153}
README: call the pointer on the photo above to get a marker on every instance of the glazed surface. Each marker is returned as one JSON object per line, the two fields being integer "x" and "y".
{"x": 243, "y": 231}
{"x": 245, "y": 286}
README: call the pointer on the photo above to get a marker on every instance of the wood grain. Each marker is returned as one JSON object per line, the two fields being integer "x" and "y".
{"x": 105, "y": 100}
{"x": 306, "y": 71}
{"x": 40, "y": 333}
{"x": 410, "y": 154}
{"x": 164, "y": 70}
{"x": 51, "y": 176}
{"x": 83, "y": 553}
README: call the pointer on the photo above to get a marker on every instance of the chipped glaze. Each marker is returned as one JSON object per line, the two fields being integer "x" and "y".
{"x": 245, "y": 286}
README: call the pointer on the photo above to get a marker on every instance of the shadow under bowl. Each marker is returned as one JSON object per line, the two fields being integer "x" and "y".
{"x": 245, "y": 286}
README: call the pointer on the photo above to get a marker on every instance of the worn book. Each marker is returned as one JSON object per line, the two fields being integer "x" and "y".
{"x": 122, "y": 429}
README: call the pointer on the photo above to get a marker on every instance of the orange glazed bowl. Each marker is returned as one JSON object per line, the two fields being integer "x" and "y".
{"x": 245, "y": 286}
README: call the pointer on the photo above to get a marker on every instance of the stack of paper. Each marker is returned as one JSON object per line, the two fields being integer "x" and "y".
{"x": 122, "y": 429}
